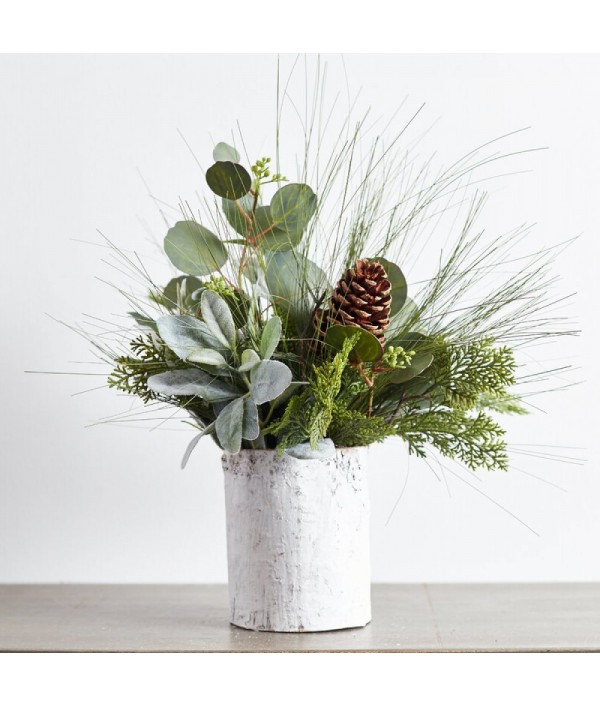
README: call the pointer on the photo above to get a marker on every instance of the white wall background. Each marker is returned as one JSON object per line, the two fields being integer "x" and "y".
{"x": 109, "y": 503}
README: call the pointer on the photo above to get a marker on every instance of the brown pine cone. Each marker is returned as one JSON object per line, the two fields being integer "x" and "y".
{"x": 361, "y": 298}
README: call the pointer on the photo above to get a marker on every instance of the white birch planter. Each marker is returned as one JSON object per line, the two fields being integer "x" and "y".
{"x": 298, "y": 541}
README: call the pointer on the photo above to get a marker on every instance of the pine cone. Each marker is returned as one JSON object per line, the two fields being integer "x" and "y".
{"x": 361, "y": 298}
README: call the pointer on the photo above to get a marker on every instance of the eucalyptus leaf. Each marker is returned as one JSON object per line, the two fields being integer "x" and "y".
{"x": 366, "y": 350}
{"x": 295, "y": 283}
{"x": 237, "y": 213}
{"x": 250, "y": 359}
{"x": 270, "y": 337}
{"x": 185, "y": 334}
{"x": 268, "y": 380}
{"x": 192, "y": 248}
{"x": 292, "y": 207}
{"x": 270, "y": 236}
{"x": 194, "y": 442}
{"x": 207, "y": 356}
{"x": 229, "y": 426}
{"x": 325, "y": 449}
{"x": 217, "y": 316}
{"x": 398, "y": 282}
{"x": 194, "y": 382}
{"x": 250, "y": 427}
{"x": 225, "y": 153}
{"x": 228, "y": 180}
{"x": 406, "y": 319}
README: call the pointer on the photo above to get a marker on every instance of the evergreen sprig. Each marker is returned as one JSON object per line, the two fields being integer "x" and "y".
{"x": 476, "y": 440}
{"x": 307, "y": 416}
{"x": 466, "y": 371}
{"x": 131, "y": 372}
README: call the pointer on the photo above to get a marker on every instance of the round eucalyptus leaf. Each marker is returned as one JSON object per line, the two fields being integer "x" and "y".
{"x": 229, "y": 180}
{"x": 193, "y": 249}
{"x": 398, "y": 282}
{"x": 366, "y": 350}
{"x": 271, "y": 237}
{"x": 292, "y": 207}
{"x": 295, "y": 284}
{"x": 238, "y": 212}
{"x": 225, "y": 153}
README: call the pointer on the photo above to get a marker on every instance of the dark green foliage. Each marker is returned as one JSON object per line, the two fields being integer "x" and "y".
{"x": 475, "y": 440}
{"x": 350, "y": 427}
{"x": 465, "y": 371}
{"x": 131, "y": 372}
{"x": 307, "y": 416}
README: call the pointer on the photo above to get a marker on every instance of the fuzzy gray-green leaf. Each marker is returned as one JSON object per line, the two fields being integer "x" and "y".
{"x": 194, "y": 442}
{"x": 217, "y": 316}
{"x": 250, "y": 359}
{"x": 250, "y": 427}
{"x": 193, "y": 382}
{"x": 270, "y": 337}
{"x": 185, "y": 334}
{"x": 229, "y": 426}
{"x": 207, "y": 356}
{"x": 269, "y": 379}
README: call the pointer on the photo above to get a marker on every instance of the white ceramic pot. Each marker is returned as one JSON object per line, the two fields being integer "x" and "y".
{"x": 298, "y": 541}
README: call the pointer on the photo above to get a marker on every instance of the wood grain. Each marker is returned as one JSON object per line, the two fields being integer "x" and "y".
{"x": 406, "y": 617}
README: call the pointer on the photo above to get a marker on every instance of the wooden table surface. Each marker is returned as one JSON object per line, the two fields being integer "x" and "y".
{"x": 406, "y": 618}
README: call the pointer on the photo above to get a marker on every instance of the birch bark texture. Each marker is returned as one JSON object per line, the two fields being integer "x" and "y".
{"x": 298, "y": 541}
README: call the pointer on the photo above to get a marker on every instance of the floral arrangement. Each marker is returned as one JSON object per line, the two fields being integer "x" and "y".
{"x": 293, "y": 330}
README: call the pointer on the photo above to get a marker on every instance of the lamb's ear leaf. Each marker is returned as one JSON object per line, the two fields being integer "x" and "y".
{"x": 225, "y": 153}
{"x": 270, "y": 337}
{"x": 229, "y": 426}
{"x": 217, "y": 316}
{"x": 228, "y": 180}
{"x": 169, "y": 295}
{"x": 250, "y": 359}
{"x": 268, "y": 380}
{"x": 207, "y": 356}
{"x": 250, "y": 428}
{"x": 184, "y": 334}
{"x": 192, "y": 382}
{"x": 398, "y": 282}
{"x": 324, "y": 449}
{"x": 193, "y": 443}
{"x": 193, "y": 249}
{"x": 366, "y": 350}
